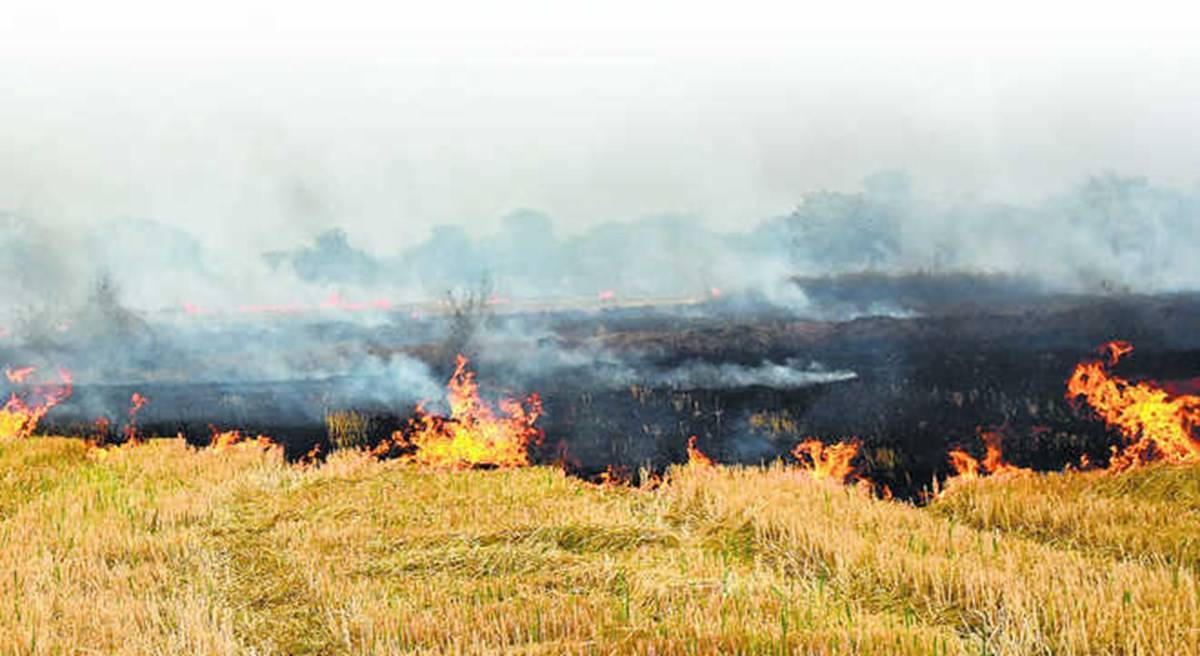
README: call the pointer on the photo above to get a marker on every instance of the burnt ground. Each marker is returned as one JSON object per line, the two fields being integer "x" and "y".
{"x": 924, "y": 383}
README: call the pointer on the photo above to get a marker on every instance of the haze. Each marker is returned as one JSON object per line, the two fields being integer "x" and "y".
{"x": 256, "y": 130}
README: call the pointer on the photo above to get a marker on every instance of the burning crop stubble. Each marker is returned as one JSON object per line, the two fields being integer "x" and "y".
{"x": 285, "y": 377}
{"x": 733, "y": 557}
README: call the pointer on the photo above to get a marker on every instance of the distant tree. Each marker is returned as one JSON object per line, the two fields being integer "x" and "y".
{"x": 845, "y": 231}
{"x": 1143, "y": 229}
{"x": 470, "y": 311}
{"x": 1116, "y": 207}
{"x": 527, "y": 254}
{"x": 331, "y": 258}
{"x": 104, "y": 316}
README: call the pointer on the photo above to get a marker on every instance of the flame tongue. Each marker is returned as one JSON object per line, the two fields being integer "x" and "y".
{"x": 136, "y": 403}
{"x": 1157, "y": 425}
{"x": 967, "y": 468}
{"x": 18, "y": 375}
{"x": 474, "y": 434}
{"x": 827, "y": 461}
{"x": 696, "y": 456}
{"x": 19, "y": 417}
{"x": 229, "y": 439}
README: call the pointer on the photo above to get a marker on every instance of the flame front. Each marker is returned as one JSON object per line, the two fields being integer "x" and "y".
{"x": 474, "y": 434}
{"x": 136, "y": 403}
{"x": 19, "y": 417}
{"x": 827, "y": 461}
{"x": 697, "y": 457}
{"x": 967, "y": 468}
{"x": 225, "y": 440}
{"x": 1156, "y": 424}
{"x": 18, "y": 375}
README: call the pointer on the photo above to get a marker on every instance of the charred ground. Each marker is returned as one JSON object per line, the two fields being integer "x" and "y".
{"x": 921, "y": 383}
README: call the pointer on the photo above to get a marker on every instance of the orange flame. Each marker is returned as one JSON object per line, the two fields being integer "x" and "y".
{"x": 101, "y": 425}
{"x": 136, "y": 403}
{"x": 967, "y": 468}
{"x": 1116, "y": 350}
{"x": 98, "y": 449}
{"x": 697, "y": 457}
{"x": 474, "y": 434}
{"x": 993, "y": 459}
{"x": 310, "y": 459}
{"x": 615, "y": 475}
{"x": 225, "y": 440}
{"x": 1158, "y": 425}
{"x": 18, "y": 375}
{"x": 827, "y": 461}
{"x": 19, "y": 417}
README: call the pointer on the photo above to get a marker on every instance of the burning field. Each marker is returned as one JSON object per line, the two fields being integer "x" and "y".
{"x": 520, "y": 329}
{"x": 957, "y": 483}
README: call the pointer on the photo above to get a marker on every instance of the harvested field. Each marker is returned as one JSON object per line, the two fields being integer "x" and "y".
{"x": 233, "y": 551}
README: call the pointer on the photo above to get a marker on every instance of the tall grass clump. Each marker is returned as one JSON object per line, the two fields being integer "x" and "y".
{"x": 348, "y": 429}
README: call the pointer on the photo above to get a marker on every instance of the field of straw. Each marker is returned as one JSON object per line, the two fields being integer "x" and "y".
{"x": 164, "y": 549}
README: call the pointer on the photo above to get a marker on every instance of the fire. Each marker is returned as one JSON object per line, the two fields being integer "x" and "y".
{"x": 697, "y": 457}
{"x": 310, "y": 459}
{"x": 1116, "y": 350}
{"x": 993, "y": 457}
{"x": 827, "y": 461}
{"x": 225, "y": 440}
{"x": 18, "y": 375}
{"x": 336, "y": 302}
{"x": 967, "y": 468}
{"x": 99, "y": 450}
{"x": 136, "y": 403}
{"x": 474, "y": 434}
{"x": 1157, "y": 424}
{"x": 101, "y": 426}
{"x": 615, "y": 476}
{"x": 193, "y": 309}
{"x": 19, "y": 417}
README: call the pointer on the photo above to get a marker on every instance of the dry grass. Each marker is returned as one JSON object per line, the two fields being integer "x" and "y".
{"x": 347, "y": 429}
{"x": 166, "y": 550}
{"x": 1149, "y": 515}
{"x": 109, "y": 555}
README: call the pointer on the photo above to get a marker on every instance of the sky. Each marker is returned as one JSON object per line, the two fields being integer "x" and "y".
{"x": 256, "y": 125}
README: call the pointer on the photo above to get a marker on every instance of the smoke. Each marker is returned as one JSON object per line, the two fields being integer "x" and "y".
{"x": 1109, "y": 233}
{"x": 788, "y": 375}
{"x": 530, "y": 351}
{"x": 327, "y": 322}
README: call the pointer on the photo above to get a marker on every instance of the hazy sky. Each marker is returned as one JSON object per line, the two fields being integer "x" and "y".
{"x": 259, "y": 126}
